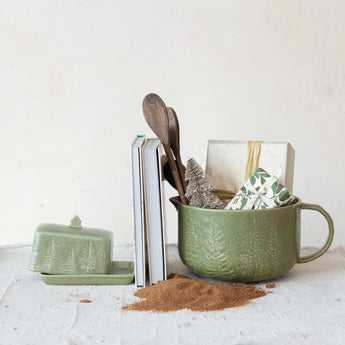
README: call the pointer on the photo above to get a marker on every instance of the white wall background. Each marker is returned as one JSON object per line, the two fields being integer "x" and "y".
{"x": 73, "y": 75}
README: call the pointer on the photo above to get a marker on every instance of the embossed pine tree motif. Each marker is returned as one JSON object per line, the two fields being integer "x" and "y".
{"x": 270, "y": 257}
{"x": 35, "y": 255}
{"x": 50, "y": 254}
{"x": 70, "y": 262}
{"x": 251, "y": 262}
{"x": 274, "y": 252}
{"x": 216, "y": 260}
{"x": 87, "y": 258}
{"x": 190, "y": 243}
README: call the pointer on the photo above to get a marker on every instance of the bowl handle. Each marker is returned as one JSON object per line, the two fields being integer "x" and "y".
{"x": 328, "y": 243}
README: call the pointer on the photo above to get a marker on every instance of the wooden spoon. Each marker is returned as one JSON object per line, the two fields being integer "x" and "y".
{"x": 174, "y": 138}
{"x": 156, "y": 116}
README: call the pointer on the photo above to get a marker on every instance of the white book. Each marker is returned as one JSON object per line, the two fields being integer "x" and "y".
{"x": 154, "y": 210}
{"x": 138, "y": 210}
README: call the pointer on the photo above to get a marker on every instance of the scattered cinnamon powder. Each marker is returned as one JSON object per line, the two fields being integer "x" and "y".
{"x": 85, "y": 301}
{"x": 180, "y": 292}
{"x": 270, "y": 286}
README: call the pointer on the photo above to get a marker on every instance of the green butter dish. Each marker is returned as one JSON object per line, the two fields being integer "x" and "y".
{"x": 121, "y": 273}
{"x": 71, "y": 250}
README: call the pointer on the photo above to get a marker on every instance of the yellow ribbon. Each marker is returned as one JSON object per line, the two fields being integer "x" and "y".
{"x": 254, "y": 149}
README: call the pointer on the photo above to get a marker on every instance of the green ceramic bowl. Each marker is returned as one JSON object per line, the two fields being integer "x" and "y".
{"x": 243, "y": 245}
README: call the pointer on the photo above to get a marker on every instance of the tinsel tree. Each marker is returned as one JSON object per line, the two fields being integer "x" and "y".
{"x": 199, "y": 190}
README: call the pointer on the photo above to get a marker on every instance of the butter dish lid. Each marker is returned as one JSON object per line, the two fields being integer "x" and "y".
{"x": 72, "y": 249}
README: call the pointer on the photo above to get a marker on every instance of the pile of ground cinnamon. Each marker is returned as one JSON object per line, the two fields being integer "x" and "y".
{"x": 270, "y": 286}
{"x": 180, "y": 292}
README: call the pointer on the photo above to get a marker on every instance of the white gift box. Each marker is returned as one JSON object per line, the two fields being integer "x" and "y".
{"x": 226, "y": 162}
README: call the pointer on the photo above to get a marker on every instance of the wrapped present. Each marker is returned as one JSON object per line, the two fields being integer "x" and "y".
{"x": 261, "y": 191}
{"x": 228, "y": 162}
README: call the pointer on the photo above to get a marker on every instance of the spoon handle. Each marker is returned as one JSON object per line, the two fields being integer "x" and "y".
{"x": 174, "y": 139}
{"x": 182, "y": 171}
{"x": 175, "y": 173}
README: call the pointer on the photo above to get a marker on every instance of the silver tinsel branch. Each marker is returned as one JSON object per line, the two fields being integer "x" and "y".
{"x": 199, "y": 190}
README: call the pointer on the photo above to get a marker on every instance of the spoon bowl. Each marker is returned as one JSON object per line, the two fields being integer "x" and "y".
{"x": 156, "y": 115}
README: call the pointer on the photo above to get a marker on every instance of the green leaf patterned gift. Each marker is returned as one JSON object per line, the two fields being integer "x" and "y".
{"x": 261, "y": 191}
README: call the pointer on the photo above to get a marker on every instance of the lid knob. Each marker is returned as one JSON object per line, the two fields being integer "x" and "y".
{"x": 76, "y": 222}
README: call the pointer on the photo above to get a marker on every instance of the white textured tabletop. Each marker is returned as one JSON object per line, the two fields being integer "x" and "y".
{"x": 306, "y": 307}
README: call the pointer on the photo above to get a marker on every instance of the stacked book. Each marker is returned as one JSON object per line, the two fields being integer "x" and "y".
{"x": 148, "y": 211}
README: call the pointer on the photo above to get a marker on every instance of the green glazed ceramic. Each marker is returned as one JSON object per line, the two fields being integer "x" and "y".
{"x": 61, "y": 249}
{"x": 243, "y": 245}
{"x": 121, "y": 273}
